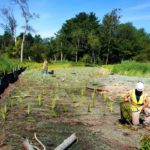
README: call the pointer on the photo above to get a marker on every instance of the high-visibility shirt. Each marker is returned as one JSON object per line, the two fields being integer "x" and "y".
{"x": 136, "y": 105}
{"x": 45, "y": 65}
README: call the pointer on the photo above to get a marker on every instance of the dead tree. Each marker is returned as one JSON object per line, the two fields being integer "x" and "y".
{"x": 27, "y": 15}
{"x": 10, "y": 23}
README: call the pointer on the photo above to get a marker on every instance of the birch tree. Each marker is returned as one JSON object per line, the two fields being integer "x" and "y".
{"x": 27, "y": 16}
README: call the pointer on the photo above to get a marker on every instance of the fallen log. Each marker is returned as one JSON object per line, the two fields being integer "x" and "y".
{"x": 96, "y": 89}
{"x": 67, "y": 142}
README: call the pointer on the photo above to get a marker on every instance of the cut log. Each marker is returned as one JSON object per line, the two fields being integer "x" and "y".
{"x": 67, "y": 142}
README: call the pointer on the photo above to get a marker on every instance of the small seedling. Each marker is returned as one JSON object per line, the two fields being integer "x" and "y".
{"x": 5, "y": 108}
{"x": 53, "y": 103}
{"x": 73, "y": 98}
{"x": 52, "y": 112}
{"x": 82, "y": 92}
{"x": 64, "y": 106}
{"x": 111, "y": 105}
{"x": 93, "y": 98}
{"x": 104, "y": 97}
{"x": 28, "y": 109}
{"x": 84, "y": 99}
{"x": 3, "y": 115}
{"x": 11, "y": 102}
{"x": 20, "y": 100}
{"x": 43, "y": 92}
{"x": 39, "y": 100}
{"x": 89, "y": 108}
{"x": 4, "y": 112}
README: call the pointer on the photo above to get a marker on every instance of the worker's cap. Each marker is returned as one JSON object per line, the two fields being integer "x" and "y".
{"x": 140, "y": 86}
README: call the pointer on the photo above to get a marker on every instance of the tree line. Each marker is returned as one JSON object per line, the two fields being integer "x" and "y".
{"x": 83, "y": 38}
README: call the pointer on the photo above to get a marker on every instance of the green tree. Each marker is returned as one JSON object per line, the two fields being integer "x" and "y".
{"x": 109, "y": 27}
{"x": 74, "y": 33}
{"x": 95, "y": 46}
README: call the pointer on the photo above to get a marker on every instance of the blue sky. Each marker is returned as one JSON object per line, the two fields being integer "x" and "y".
{"x": 53, "y": 13}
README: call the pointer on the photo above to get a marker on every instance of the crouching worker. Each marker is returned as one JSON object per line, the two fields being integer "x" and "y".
{"x": 137, "y": 102}
{"x": 45, "y": 67}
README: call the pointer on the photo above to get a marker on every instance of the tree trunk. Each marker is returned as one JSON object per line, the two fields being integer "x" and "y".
{"x": 93, "y": 57}
{"x": 78, "y": 45}
{"x": 15, "y": 38}
{"x": 61, "y": 53}
{"x": 55, "y": 58}
{"x": 107, "y": 57}
{"x": 108, "y": 49}
{"x": 76, "y": 56}
{"x": 22, "y": 46}
{"x": 22, "y": 43}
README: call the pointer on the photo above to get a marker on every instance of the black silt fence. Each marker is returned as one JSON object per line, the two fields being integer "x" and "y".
{"x": 9, "y": 78}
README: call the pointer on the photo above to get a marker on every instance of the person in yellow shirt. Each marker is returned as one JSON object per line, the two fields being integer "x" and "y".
{"x": 45, "y": 67}
{"x": 138, "y": 102}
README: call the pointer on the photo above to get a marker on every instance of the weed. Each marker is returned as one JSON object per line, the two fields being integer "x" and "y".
{"x": 145, "y": 142}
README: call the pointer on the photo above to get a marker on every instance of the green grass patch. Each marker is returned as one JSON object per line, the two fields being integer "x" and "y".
{"x": 54, "y": 65}
{"x": 130, "y": 68}
{"x": 8, "y": 65}
{"x": 145, "y": 142}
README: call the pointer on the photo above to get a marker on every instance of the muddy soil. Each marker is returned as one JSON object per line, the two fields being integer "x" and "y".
{"x": 67, "y": 107}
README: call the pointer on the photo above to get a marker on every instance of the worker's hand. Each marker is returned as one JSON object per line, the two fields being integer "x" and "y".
{"x": 126, "y": 99}
{"x": 145, "y": 104}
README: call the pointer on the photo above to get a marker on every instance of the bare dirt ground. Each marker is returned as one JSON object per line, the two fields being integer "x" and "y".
{"x": 96, "y": 125}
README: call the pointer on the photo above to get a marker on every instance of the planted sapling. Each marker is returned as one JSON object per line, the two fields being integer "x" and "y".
{"x": 39, "y": 100}
{"x": 52, "y": 112}
{"x": 105, "y": 102}
{"x": 89, "y": 108}
{"x": 111, "y": 104}
{"x": 73, "y": 98}
{"x": 64, "y": 106}
{"x": 4, "y": 112}
{"x": 93, "y": 98}
{"x": 28, "y": 109}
